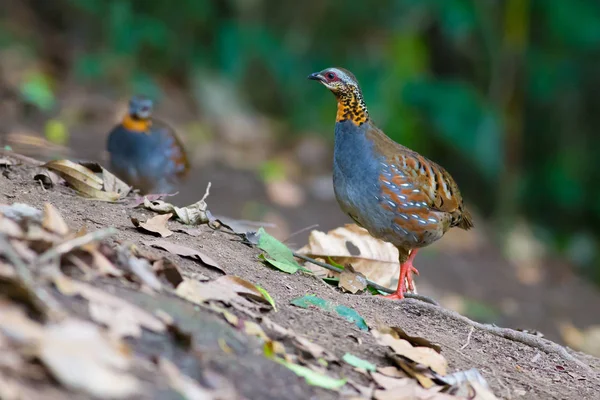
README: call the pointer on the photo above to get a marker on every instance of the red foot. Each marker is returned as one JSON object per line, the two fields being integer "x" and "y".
{"x": 406, "y": 271}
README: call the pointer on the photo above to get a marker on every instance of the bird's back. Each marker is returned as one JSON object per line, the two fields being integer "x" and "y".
{"x": 151, "y": 161}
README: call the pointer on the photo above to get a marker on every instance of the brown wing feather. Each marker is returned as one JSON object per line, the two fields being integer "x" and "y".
{"x": 436, "y": 186}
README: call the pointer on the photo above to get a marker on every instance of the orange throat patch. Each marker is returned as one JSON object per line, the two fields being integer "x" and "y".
{"x": 351, "y": 106}
{"x": 136, "y": 125}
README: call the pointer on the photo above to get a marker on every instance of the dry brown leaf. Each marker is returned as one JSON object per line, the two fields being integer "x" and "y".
{"x": 184, "y": 251}
{"x": 391, "y": 372}
{"x": 156, "y": 224}
{"x": 352, "y": 281}
{"x": 416, "y": 341}
{"x": 82, "y": 358}
{"x": 315, "y": 350}
{"x": 387, "y": 382}
{"x": 201, "y": 292}
{"x": 375, "y": 259}
{"x": 121, "y": 317}
{"x": 242, "y": 287}
{"x": 103, "y": 265}
{"x": 82, "y": 179}
{"x": 194, "y": 214}
{"x": 422, "y": 355}
{"x": 423, "y": 374}
{"x": 53, "y": 221}
{"x": 168, "y": 270}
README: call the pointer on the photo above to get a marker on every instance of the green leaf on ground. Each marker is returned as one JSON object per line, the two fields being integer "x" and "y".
{"x": 351, "y": 315}
{"x": 314, "y": 378}
{"x": 359, "y": 362}
{"x": 345, "y": 312}
{"x": 280, "y": 265}
{"x": 267, "y": 296}
{"x": 280, "y": 256}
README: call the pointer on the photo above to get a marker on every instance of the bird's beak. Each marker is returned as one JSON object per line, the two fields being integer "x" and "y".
{"x": 316, "y": 76}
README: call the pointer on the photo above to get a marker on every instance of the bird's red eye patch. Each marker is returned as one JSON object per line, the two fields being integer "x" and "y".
{"x": 331, "y": 76}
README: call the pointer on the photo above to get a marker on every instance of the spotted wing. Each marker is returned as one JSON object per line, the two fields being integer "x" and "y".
{"x": 422, "y": 196}
{"x": 174, "y": 148}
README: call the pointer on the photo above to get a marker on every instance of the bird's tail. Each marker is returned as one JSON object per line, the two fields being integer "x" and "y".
{"x": 466, "y": 221}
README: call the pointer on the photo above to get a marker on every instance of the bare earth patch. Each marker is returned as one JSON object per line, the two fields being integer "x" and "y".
{"x": 217, "y": 351}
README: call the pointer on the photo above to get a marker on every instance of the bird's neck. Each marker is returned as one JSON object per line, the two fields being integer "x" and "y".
{"x": 136, "y": 124}
{"x": 352, "y": 107}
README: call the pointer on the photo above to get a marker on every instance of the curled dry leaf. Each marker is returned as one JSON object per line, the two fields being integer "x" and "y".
{"x": 194, "y": 214}
{"x": 243, "y": 287}
{"x": 375, "y": 259}
{"x": 225, "y": 289}
{"x": 184, "y": 251}
{"x": 156, "y": 224}
{"x": 416, "y": 341}
{"x": 86, "y": 182}
{"x": 352, "y": 281}
{"x": 53, "y": 221}
{"x": 122, "y": 318}
{"x": 422, "y": 355}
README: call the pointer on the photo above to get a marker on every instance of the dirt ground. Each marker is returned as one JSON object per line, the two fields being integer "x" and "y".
{"x": 513, "y": 370}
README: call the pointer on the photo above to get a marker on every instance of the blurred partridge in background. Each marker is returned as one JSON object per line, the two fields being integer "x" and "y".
{"x": 395, "y": 193}
{"x": 146, "y": 153}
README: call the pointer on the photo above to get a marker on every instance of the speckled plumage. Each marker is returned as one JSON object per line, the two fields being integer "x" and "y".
{"x": 395, "y": 193}
{"x": 145, "y": 153}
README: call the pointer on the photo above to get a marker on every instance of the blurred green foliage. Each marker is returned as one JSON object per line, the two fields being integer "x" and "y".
{"x": 502, "y": 93}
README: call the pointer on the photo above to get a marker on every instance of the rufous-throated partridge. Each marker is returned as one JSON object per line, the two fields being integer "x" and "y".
{"x": 146, "y": 153}
{"x": 398, "y": 195}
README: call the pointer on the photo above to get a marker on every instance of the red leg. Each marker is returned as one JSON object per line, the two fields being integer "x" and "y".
{"x": 406, "y": 271}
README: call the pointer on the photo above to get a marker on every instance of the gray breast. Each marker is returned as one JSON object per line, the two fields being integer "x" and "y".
{"x": 356, "y": 178}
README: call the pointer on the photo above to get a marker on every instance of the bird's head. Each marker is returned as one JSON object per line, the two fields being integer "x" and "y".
{"x": 338, "y": 80}
{"x": 138, "y": 117}
{"x": 140, "y": 108}
{"x": 344, "y": 86}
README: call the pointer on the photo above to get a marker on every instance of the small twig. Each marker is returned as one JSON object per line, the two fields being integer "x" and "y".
{"x": 69, "y": 245}
{"x": 300, "y": 231}
{"x": 532, "y": 341}
{"x": 207, "y": 192}
{"x": 369, "y": 282}
{"x": 42, "y": 185}
{"x": 464, "y": 346}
